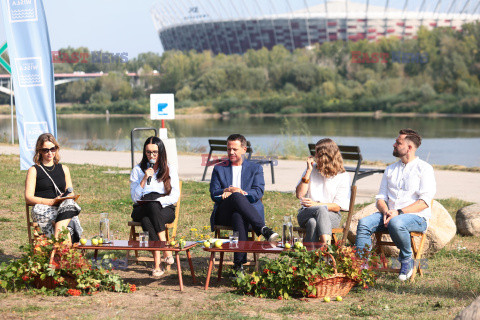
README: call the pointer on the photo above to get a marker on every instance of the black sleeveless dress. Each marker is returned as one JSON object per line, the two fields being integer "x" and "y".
{"x": 44, "y": 187}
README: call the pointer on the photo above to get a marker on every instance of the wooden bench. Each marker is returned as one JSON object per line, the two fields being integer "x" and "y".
{"x": 221, "y": 146}
{"x": 352, "y": 153}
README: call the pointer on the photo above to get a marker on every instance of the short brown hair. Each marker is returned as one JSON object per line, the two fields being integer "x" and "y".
{"x": 239, "y": 137}
{"x": 413, "y": 136}
{"x": 328, "y": 158}
{"x": 44, "y": 137}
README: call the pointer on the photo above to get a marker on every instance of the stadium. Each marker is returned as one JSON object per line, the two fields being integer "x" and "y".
{"x": 233, "y": 27}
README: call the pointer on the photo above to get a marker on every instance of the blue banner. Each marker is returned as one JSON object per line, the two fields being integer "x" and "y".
{"x": 32, "y": 71}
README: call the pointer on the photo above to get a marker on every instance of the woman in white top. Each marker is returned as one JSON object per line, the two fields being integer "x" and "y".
{"x": 155, "y": 180}
{"x": 323, "y": 191}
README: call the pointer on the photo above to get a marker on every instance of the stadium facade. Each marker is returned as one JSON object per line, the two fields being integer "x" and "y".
{"x": 232, "y": 26}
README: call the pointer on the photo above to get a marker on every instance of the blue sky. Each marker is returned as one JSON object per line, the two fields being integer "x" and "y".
{"x": 113, "y": 25}
{"x": 126, "y": 25}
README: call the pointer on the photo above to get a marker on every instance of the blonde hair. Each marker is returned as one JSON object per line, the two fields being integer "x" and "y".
{"x": 328, "y": 158}
{"x": 44, "y": 137}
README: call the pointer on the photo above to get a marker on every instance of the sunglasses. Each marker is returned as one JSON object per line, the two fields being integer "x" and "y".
{"x": 150, "y": 153}
{"x": 46, "y": 150}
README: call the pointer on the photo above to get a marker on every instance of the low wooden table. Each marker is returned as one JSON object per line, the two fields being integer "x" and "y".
{"x": 150, "y": 246}
{"x": 249, "y": 247}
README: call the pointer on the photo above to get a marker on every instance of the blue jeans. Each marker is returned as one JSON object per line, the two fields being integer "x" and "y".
{"x": 399, "y": 229}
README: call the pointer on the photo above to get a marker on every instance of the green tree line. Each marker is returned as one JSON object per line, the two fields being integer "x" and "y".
{"x": 333, "y": 77}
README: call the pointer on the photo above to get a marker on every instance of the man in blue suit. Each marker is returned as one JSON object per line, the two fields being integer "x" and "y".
{"x": 237, "y": 187}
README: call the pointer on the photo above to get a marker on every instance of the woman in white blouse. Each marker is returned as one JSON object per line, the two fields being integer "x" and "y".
{"x": 323, "y": 191}
{"x": 155, "y": 180}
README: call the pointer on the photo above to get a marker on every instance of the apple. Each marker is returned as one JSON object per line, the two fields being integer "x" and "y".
{"x": 83, "y": 241}
{"x": 182, "y": 243}
{"x": 218, "y": 243}
{"x": 100, "y": 241}
{"x": 288, "y": 245}
{"x": 94, "y": 241}
{"x": 206, "y": 244}
{"x": 326, "y": 299}
{"x": 298, "y": 245}
{"x": 339, "y": 298}
{"x": 173, "y": 243}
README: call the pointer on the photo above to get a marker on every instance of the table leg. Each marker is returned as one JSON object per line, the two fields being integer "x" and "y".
{"x": 209, "y": 271}
{"x": 179, "y": 270}
{"x": 220, "y": 266}
{"x": 95, "y": 254}
{"x": 189, "y": 256}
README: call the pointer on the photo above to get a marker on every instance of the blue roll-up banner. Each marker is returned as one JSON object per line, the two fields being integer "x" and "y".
{"x": 32, "y": 71}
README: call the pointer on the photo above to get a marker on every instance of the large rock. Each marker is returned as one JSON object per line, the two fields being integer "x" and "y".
{"x": 468, "y": 220}
{"x": 470, "y": 312}
{"x": 441, "y": 229}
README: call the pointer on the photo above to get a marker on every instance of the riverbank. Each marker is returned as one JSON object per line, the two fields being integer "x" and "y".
{"x": 203, "y": 113}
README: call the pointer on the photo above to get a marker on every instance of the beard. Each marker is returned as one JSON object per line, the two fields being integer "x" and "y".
{"x": 397, "y": 153}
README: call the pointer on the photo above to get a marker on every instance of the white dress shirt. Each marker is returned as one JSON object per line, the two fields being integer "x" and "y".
{"x": 329, "y": 190}
{"x": 403, "y": 184}
{"x": 137, "y": 192}
{"x": 237, "y": 176}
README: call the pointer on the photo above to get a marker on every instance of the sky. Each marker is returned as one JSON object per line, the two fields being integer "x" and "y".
{"x": 114, "y": 25}
{"x": 120, "y": 26}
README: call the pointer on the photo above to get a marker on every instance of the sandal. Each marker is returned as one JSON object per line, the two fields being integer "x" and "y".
{"x": 157, "y": 273}
{"x": 169, "y": 260}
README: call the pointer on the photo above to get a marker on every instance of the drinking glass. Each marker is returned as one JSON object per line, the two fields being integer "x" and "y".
{"x": 144, "y": 238}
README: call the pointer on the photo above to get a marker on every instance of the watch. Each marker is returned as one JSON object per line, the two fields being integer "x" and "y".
{"x": 400, "y": 211}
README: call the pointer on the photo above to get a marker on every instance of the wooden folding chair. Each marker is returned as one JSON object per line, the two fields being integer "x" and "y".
{"x": 171, "y": 227}
{"x": 335, "y": 231}
{"x": 31, "y": 225}
{"x": 417, "y": 251}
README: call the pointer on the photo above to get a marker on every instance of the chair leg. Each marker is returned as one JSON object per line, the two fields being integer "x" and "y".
{"x": 132, "y": 237}
{"x": 418, "y": 255}
{"x": 271, "y": 168}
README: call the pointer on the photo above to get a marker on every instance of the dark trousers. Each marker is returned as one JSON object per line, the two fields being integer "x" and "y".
{"x": 236, "y": 211}
{"x": 153, "y": 217}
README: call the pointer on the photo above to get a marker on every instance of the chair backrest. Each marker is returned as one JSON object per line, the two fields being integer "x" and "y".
{"x": 174, "y": 224}
{"x": 221, "y": 146}
{"x": 353, "y": 194}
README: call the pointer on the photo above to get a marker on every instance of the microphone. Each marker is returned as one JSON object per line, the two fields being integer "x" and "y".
{"x": 69, "y": 190}
{"x": 150, "y": 164}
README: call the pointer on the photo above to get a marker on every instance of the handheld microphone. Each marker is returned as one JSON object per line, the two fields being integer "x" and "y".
{"x": 69, "y": 190}
{"x": 150, "y": 164}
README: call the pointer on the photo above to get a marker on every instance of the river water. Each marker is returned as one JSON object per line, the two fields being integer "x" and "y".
{"x": 446, "y": 140}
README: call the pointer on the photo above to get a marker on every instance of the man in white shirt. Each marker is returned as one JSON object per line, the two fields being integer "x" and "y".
{"x": 406, "y": 193}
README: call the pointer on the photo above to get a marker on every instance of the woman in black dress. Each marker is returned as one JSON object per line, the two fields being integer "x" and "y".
{"x": 47, "y": 181}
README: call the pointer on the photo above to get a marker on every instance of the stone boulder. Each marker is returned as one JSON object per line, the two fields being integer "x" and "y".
{"x": 468, "y": 220}
{"x": 470, "y": 312}
{"x": 441, "y": 229}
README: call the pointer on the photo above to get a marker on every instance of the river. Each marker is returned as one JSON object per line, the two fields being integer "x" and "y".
{"x": 449, "y": 140}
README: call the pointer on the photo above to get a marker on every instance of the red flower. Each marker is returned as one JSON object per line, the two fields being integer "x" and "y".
{"x": 312, "y": 296}
{"x": 266, "y": 271}
{"x": 25, "y": 278}
{"x": 294, "y": 268}
{"x": 253, "y": 282}
{"x": 133, "y": 288}
{"x": 280, "y": 298}
{"x": 74, "y": 292}
{"x": 97, "y": 285}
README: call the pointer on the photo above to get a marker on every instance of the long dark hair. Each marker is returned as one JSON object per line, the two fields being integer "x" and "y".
{"x": 163, "y": 173}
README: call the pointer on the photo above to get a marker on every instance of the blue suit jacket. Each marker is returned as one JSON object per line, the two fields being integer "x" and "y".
{"x": 252, "y": 182}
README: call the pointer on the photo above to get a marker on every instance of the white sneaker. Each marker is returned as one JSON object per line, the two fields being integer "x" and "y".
{"x": 406, "y": 270}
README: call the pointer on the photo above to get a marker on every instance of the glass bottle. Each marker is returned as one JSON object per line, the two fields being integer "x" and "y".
{"x": 287, "y": 236}
{"x": 104, "y": 227}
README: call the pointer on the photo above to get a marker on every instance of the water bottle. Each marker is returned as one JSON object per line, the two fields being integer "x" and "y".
{"x": 104, "y": 227}
{"x": 287, "y": 235}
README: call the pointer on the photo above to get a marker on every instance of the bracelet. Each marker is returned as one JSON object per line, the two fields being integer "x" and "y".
{"x": 305, "y": 180}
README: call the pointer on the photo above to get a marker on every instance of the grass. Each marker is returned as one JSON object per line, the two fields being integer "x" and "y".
{"x": 452, "y": 280}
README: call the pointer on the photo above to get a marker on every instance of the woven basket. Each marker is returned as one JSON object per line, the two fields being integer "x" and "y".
{"x": 337, "y": 285}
